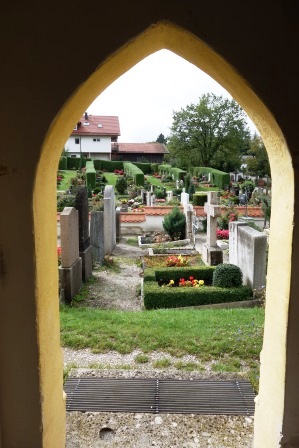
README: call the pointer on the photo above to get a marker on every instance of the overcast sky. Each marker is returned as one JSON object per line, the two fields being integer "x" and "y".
{"x": 145, "y": 97}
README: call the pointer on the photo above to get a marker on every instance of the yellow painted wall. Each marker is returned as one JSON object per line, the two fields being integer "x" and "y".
{"x": 56, "y": 61}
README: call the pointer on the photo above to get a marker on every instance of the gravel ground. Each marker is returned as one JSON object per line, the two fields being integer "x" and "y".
{"x": 143, "y": 430}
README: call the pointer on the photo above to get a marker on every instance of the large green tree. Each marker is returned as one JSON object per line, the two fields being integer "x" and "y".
{"x": 212, "y": 133}
{"x": 258, "y": 164}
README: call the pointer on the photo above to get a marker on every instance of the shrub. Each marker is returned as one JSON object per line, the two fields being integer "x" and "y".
{"x": 160, "y": 193}
{"x": 63, "y": 163}
{"x": 199, "y": 199}
{"x": 227, "y": 276}
{"x": 157, "y": 297}
{"x": 230, "y": 215}
{"x": 121, "y": 184}
{"x": 65, "y": 201}
{"x": 175, "y": 224}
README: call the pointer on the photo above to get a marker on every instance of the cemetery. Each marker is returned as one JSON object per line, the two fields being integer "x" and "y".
{"x": 89, "y": 233}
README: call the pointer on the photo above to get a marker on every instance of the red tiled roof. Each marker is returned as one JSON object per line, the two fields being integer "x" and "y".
{"x": 148, "y": 148}
{"x": 110, "y": 125}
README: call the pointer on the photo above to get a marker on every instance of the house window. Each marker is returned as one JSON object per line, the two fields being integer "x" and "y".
{"x": 96, "y": 139}
{"x": 77, "y": 140}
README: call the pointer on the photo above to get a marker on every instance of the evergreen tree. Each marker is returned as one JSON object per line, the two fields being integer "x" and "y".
{"x": 175, "y": 224}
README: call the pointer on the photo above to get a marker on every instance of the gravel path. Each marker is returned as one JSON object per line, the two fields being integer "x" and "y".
{"x": 121, "y": 290}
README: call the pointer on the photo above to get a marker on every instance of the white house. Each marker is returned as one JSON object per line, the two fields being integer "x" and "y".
{"x": 93, "y": 137}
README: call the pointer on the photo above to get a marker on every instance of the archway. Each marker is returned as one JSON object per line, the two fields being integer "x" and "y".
{"x": 159, "y": 36}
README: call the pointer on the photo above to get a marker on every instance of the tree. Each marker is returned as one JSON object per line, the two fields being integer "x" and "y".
{"x": 121, "y": 184}
{"x": 161, "y": 139}
{"x": 175, "y": 224}
{"x": 258, "y": 164}
{"x": 212, "y": 133}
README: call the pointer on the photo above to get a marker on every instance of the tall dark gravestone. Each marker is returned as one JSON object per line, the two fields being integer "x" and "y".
{"x": 85, "y": 249}
{"x": 97, "y": 236}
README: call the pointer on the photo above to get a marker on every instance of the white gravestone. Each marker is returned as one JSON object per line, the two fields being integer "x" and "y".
{"x": 211, "y": 253}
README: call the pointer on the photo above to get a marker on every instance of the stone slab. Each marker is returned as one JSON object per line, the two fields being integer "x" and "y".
{"x": 86, "y": 257}
{"x": 97, "y": 236}
{"x": 212, "y": 256}
{"x": 70, "y": 280}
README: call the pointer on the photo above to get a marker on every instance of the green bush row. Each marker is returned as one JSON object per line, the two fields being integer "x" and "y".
{"x": 178, "y": 173}
{"x": 199, "y": 199}
{"x": 75, "y": 163}
{"x": 218, "y": 178}
{"x": 108, "y": 165}
{"x": 62, "y": 163}
{"x": 90, "y": 174}
{"x": 132, "y": 170}
{"x": 174, "y": 297}
{"x": 176, "y": 273}
{"x": 144, "y": 167}
{"x": 155, "y": 167}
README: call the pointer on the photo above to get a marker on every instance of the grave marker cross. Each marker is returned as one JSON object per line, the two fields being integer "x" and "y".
{"x": 213, "y": 210}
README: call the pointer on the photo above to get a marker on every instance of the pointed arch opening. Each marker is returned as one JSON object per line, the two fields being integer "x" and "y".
{"x": 163, "y": 35}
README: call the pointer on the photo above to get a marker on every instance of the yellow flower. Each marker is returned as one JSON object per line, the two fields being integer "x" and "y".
{"x": 201, "y": 282}
{"x": 171, "y": 282}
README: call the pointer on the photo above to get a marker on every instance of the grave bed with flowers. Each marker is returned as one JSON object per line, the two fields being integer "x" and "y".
{"x": 185, "y": 286}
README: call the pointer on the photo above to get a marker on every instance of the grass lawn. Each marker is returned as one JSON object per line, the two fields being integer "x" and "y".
{"x": 230, "y": 337}
{"x": 111, "y": 177}
{"x": 65, "y": 182}
{"x": 154, "y": 181}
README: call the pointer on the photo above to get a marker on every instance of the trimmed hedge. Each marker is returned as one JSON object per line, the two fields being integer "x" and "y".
{"x": 108, "y": 165}
{"x": 174, "y": 273}
{"x": 90, "y": 175}
{"x": 156, "y": 297}
{"x": 132, "y": 170}
{"x": 177, "y": 172}
{"x": 227, "y": 275}
{"x": 144, "y": 167}
{"x": 155, "y": 167}
{"x": 62, "y": 163}
{"x": 199, "y": 199}
{"x": 73, "y": 163}
{"x": 219, "y": 178}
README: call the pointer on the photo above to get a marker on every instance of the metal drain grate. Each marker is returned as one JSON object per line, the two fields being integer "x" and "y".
{"x": 159, "y": 396}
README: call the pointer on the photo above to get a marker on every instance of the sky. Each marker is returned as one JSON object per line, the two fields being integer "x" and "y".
{"x": 145, "y": 97}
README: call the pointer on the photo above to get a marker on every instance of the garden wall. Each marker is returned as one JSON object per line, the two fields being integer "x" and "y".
{"x": 137, "y": 223}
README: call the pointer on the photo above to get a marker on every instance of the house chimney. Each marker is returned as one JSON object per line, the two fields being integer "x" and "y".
{"x": 86, "y": 116}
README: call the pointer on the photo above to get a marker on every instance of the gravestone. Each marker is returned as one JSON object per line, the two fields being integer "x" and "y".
{"x": 70, "y": 271}
{"x": 97, "y": 236}
{"x": 109, "y": 220}
{"x": 143, "y": 195}
{"x": 188, "y": 212}
{"x": 153, "y": 199}
{"x": 117, "y": 224}
{"x": 211, "y": 253}
{"x": 169, "y": 195}
{"x": 148, "y": 199}
{"x": 247, "y": 249}
{"x": 184, "y": 198}
{"x": 85, "y": 249}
